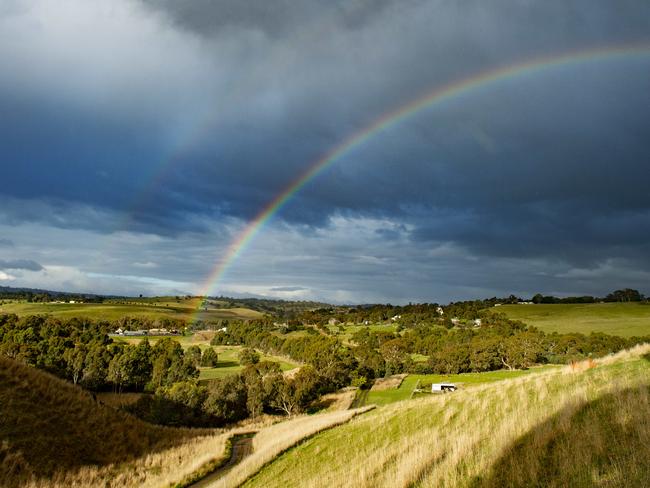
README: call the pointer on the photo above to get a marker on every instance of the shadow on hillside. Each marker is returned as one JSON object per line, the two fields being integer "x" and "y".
{"x": 226, "y": 364}
{"x": 49, "y": 425}
{"x": 599, "y": 443}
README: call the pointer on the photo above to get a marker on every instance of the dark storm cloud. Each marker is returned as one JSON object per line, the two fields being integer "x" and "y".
{"x": 25, "y": 264}
{"x": 175, "y": 118}
{"x": 273, "y": 17}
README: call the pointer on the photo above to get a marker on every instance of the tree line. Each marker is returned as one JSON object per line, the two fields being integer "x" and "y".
{"x": 260, "y": 388}
{"x": 80, "y": 350}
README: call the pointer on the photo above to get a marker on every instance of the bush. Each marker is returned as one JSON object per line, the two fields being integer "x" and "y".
{"x": 249, "y": 356}
{"x": 209, "y": 358}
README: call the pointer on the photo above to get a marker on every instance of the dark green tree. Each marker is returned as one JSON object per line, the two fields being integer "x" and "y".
{"x": 209, "y": 358}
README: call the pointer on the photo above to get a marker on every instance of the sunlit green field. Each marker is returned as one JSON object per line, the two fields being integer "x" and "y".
{"x": 424, "y": 381}
{"x": 345, "y": 332}
{"x": 557, "y": 428}
{"x": 165, "y": 307}
{"x": 228, "y": 362}
{"x": 622, "y": 319}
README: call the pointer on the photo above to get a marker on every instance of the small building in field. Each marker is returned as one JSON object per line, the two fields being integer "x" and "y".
{"x": 442, "y": 387}
{"x": 135, "y": 332}
{"x": 158, "y": 332}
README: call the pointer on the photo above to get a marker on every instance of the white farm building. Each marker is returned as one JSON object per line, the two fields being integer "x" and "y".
{"x": 438, "y": 387}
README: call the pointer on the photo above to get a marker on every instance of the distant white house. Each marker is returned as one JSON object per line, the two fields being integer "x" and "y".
{"x": 135, "y": 332}
{"x": 455, "y": 321}
{"x": 440, "y": 311}
{"x": 159, "y": 332}
{"x": 223, "y": 329}
{"x": 438, "y": 387}
{"x": 477, "y": 322}
{"x": 396, "y": 317}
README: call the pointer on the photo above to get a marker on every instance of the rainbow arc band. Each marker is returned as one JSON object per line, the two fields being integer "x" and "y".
{"x": 432, "y": 99}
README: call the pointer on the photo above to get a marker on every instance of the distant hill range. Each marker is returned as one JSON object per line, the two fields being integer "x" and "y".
{"x": 12, "y": 291}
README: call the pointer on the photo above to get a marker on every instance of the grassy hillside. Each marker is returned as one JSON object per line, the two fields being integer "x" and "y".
{"x": 586, "y": 426}
{"x": 622, "y": 319}
{"x": 55, "y": 434}
{"x": 164, "y": 307}
{"x": 462, "y": 380}
{"x": 270, "y": 442}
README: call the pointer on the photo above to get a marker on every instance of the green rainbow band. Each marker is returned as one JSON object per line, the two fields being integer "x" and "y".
{"x": 437, "y": 96}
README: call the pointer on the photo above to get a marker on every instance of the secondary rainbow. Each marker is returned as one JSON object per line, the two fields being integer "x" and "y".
{"x": 439, "y": 95}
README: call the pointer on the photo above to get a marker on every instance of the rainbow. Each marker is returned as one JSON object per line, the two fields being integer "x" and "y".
{"x": 432, "y": 99}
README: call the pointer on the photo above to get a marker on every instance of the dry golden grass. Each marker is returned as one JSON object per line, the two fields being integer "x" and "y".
{"x": 274, "y": 440}
{"x": 161, "y": 469}
{"x": 587, "y": 428}
{"x": 203, "y": 336}
{"x": 341, "y": 400}
{"x": 389, "y": 383}
{"x": 117, "y": 400}
{"x": 55, "y": 435}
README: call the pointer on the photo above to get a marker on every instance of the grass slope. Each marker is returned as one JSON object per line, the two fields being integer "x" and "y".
{"x": 562, "y": 427}
{"x": 183, "y": 309}
{"x": 424, "y": 381}
{"x": 274, "y": 440}
{"x": 622, "y": 319}
{"x": 54, "y": 434}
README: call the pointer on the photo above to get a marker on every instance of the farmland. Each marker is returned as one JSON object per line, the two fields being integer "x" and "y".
{"x": 345, "y": 332}
{"x": 574, "y": 427}
{"x": 622, "y": 319}
{"x": 158, "y": 308}
{"x": 228, "y": 362}
{"x": 424, "y": 381}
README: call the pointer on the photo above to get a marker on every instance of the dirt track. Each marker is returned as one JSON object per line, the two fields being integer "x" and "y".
{"x": 242, "y": 446}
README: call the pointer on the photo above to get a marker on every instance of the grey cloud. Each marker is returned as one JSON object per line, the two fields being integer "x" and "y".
{"x": 25, "y": 264}
{"x": 272, "y": 17}
{"x": 288, "y": 288}
{"x": 158, "y": 151}
{"x": 6, "y": 242}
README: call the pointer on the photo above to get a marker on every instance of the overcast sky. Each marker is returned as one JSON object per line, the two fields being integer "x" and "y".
{"x": 139, "y": 137}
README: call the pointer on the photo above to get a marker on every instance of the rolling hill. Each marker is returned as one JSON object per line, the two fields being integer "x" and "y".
{"x": 55, "y": 434}
{"x": 622, "y": 319}
{"x": 163, "y": 307}
{"x": 581, "y": 426}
